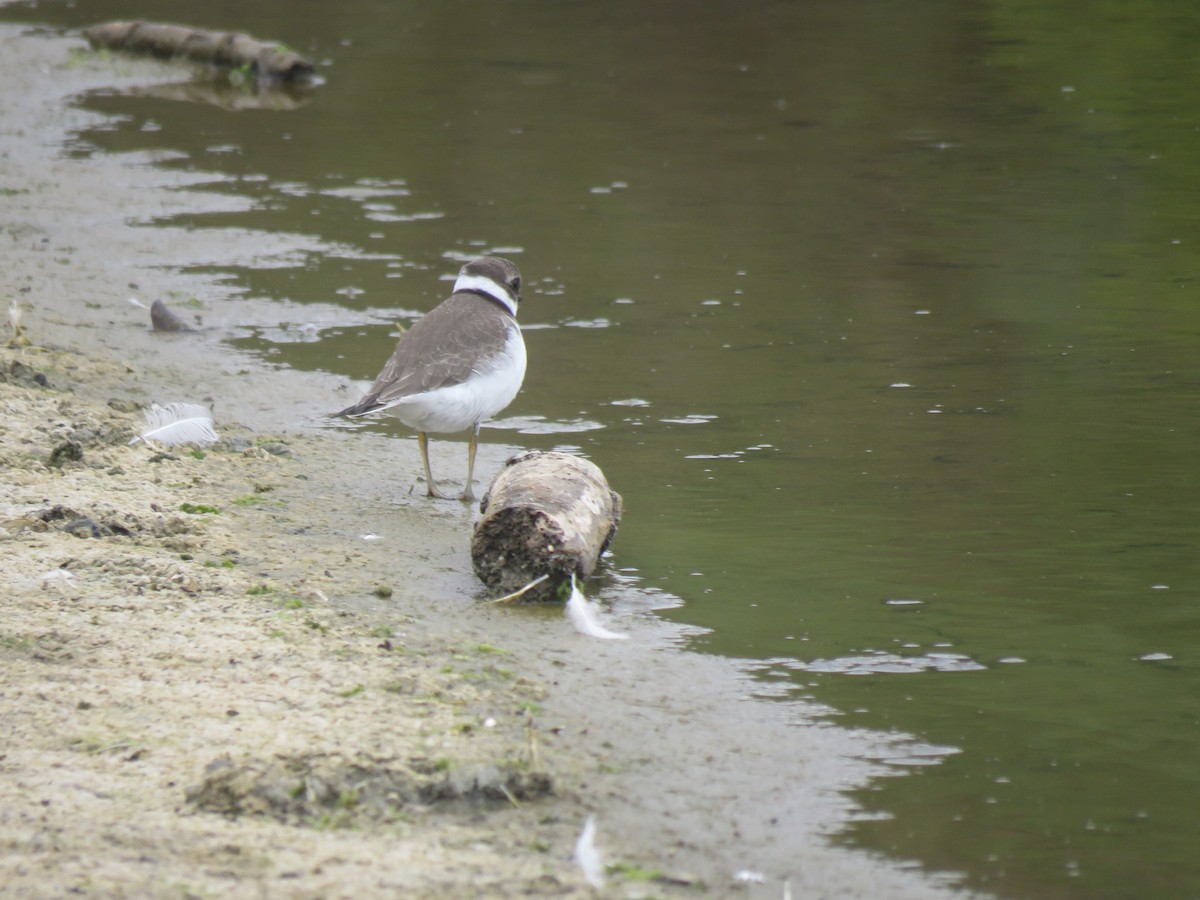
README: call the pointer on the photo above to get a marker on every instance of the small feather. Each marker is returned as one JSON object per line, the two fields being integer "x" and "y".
{"x": 587, "y": 857}
{"x": 584, "y": 618}
{"x": 18, "y": 338}
{"x": 134, "y": 301}
{"x": 749, "y": 876}
{"x": 179, "y": 423}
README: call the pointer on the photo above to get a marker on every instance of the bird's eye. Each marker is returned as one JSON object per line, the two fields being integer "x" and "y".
{"x": 515, "y": 284}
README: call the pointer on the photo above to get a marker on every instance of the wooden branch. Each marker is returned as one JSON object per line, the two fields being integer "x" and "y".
{"x": 226, "y": 49}
{"x": 545, "y": 513}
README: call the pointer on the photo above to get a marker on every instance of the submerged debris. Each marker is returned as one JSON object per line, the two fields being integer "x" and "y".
{"x": 226, "y": 49}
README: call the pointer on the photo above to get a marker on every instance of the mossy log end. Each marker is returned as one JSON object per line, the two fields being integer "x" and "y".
{"x": 545, "y": 513}
{"x": 219, "y": 48}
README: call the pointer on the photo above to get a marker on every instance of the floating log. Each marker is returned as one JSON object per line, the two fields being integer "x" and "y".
{"x": 226, "y": 49}
{"x": 545, "y": 513}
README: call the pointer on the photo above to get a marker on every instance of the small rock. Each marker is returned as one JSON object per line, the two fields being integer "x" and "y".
{"x": 67, "y": 451}
{"x": 19, "y": 373}
{"x": 162, "y": 319}
{"x": 84, "y": 527}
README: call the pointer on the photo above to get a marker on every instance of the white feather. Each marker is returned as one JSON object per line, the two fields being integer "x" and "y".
{"x": 749, "y": 876}
{"x": 587, "y": 856}
{"x": 179, "y": 423}
{"x": 134, "y": 301}
{"x": 583, "y": 616}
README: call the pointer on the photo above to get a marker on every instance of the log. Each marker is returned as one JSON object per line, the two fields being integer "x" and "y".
{"x": 226, "y": 49}
{"x": 545, "y": 513}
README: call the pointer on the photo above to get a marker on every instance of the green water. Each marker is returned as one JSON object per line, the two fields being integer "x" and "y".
{"x": 868, "y": 303}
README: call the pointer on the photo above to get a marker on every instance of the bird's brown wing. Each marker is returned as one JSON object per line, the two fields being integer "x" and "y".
{"x": 438, "y": 351}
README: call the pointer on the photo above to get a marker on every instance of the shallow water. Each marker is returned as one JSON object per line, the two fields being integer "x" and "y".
{"x": 883, "y": 319}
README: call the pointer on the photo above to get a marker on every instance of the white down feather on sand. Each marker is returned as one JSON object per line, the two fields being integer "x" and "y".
{"x": 179, "y": 423}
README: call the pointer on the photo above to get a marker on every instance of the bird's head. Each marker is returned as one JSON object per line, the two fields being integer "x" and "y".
{"x": 493, "y": 276}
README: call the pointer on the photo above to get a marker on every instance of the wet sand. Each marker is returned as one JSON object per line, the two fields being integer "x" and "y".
{"x": 268, "y": 669}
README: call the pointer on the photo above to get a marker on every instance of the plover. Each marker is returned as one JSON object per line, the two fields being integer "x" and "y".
{"x": 460, "y": 364}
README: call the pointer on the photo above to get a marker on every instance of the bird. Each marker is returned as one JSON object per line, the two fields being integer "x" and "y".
{"x": 460, "y": 364}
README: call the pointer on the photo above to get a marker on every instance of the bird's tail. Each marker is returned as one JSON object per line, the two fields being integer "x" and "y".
{"x": 363, "y": 407}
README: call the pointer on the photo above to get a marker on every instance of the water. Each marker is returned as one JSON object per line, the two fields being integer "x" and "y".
{"x": 883, "y": 318}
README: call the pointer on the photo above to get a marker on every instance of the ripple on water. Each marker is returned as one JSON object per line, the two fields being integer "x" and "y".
{"x": 307, "y": 333}
{"x": 914, "y": 753}
{"x": 880, "y": 663}
{"x": 370, "y": 189}
{"x": 542, "y": 425}
{"x": 733, "y": 454}
{"x": 404, "y": 217}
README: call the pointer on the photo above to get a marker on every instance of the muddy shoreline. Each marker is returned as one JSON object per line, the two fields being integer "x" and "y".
{"x": 307, "y": 645}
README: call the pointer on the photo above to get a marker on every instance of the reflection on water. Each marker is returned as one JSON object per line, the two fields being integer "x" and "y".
{"x": 542, "y": 425}
{"x": 882, "y": 318}
{"x": 222, "y": 93}
{"x": 880, "y": 663}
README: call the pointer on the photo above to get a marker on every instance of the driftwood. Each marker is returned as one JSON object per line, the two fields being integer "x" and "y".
{"x": 545, "y": 513}
{"x": 219, "y": 48}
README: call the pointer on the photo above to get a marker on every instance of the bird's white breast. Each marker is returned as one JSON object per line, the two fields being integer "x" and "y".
{"x": 490, "y": 388}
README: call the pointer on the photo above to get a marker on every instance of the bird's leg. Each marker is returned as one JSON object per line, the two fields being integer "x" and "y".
{"x": 468, "y": 493}
{"x": 431, "y": 488}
